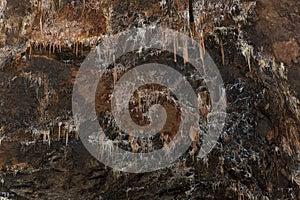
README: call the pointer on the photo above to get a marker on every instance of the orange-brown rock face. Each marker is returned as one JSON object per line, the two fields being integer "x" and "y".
{"x": 287, "y": 51}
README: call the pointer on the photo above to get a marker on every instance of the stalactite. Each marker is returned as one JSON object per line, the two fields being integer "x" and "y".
{"x": 59, "y": 129}
{"x": 49, "y": 138}
{"x": 49, "y": 50}
{"x": 191, "y": 18}
{"x": 41, "y": 21}
{"x": 76, "y": 134}
{"x": 37, "y": 92}
{"x": 67, "y": 137}
{"x": 273, "y": 64}
{"x": 83, "y": 8}
{"x": 202, "y": 49}
{"x": 247, "y": 52}
{"x": 41, "y": 25}
{"x": 30, "y": 50}
{"x": 36, "y": 45}
{"x": 40, "y": 46}
{"x": 185, "y": 53}
{"x": 44, "y": 137}
{"x": 120, "y": 137}
{"x": 76, "y": 48}
{"x": 175, "y": 47}
{"x": 45, "y": 45}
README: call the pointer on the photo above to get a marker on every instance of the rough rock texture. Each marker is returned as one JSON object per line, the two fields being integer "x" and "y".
{"x": 42, "y": 46}
{"x": 277, "y": 27}
{"x": 287, "y": 51}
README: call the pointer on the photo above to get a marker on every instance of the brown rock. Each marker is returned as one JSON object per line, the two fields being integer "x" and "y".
{"x": 286, "y": 51}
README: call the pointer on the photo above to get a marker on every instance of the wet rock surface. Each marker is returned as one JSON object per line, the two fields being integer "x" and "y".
{"x": 257, "y": 156}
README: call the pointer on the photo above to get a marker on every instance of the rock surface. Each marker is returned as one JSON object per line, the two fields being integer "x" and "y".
{"x": 257, "y": 156}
